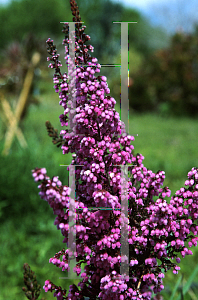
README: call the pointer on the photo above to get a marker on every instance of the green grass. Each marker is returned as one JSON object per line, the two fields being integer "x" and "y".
{"x": 27, "y": 230}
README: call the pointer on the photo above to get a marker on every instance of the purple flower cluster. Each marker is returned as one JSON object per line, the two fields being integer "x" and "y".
{"x": 158, "y": 231}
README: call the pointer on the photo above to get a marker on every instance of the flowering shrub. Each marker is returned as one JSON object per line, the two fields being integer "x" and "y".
{"x": 157, "y": 231}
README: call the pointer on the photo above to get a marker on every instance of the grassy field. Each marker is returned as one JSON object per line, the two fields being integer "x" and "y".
{"x": 27, "y": 230}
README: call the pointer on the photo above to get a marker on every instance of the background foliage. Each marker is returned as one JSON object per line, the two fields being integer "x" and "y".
{"x": 17, "y": 22}
{"x": 167, "y": 81}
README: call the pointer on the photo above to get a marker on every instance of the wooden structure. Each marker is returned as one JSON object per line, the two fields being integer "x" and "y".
{"x": 14, "y": 118}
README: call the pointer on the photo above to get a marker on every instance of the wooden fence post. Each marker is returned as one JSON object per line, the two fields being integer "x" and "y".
{"x": 12, "y": 130}
{"x": 10, "y": 117}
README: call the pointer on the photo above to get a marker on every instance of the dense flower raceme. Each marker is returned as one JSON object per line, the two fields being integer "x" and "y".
{"x": 157, "y": 231}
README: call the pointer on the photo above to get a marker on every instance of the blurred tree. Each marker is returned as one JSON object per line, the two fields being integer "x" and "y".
{"x": 17, "y": 22}
{"x": 19, "y": 18}
{"x": 142, "y": 36}
{"x": 167, "y": 81}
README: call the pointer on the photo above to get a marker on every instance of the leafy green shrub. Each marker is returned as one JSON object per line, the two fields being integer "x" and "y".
{"x": 167, "y": 82}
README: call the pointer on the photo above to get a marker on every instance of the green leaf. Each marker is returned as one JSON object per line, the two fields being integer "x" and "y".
{"x": 176, "y": 287}
{"x": 189, "y": 282}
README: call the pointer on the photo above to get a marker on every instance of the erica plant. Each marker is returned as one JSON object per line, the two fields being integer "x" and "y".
{"x": 157, "y": 232}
